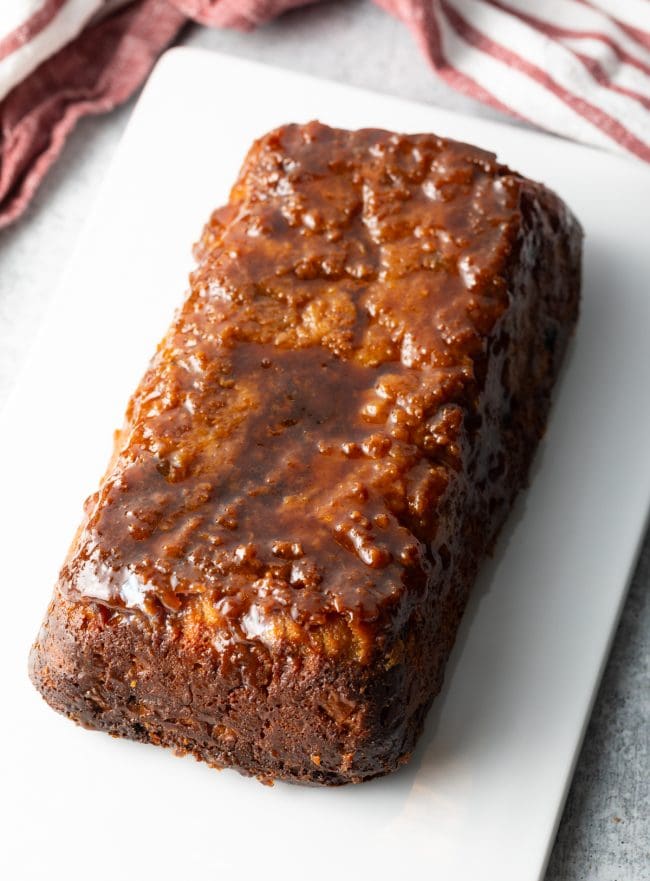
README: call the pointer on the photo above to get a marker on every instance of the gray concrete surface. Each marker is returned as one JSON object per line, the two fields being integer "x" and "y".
{"x": 604, "y": 833}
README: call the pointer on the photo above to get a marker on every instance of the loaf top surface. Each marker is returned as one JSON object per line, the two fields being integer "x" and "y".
{"x": 285, "y": 459}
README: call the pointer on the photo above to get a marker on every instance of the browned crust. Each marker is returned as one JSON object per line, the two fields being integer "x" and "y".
{"x": 329, "y": 709}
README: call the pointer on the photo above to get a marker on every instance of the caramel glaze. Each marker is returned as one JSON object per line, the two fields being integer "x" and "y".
{"x": 287, "y": 461}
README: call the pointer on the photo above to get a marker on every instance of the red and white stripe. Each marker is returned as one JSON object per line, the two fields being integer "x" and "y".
{"x": 580, "y": 68}
{"x": 31, "y": 31}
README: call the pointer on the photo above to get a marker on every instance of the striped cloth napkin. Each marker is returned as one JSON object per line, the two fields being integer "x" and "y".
{"x": 579, "y": 68}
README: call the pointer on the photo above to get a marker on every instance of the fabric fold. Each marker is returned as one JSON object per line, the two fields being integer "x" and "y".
{"x": 578, "y": 68}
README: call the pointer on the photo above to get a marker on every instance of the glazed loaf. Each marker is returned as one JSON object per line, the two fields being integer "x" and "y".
{"x": 324, "y": 447}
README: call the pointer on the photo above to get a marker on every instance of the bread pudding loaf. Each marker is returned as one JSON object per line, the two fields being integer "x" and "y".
{"x": 324, "y": 447}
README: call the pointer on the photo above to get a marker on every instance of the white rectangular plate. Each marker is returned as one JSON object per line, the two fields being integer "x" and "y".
{"x": 481, "y": 797}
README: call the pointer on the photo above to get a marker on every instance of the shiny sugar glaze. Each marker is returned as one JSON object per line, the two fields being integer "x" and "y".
{"x": 287, "y": 454}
